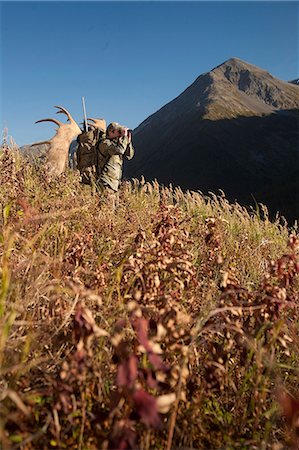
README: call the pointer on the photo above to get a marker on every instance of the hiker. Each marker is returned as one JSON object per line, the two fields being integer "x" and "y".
{"x": 116, "y": 146}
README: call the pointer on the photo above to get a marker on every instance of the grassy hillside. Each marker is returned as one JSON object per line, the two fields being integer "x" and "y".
{"x": 170, "y": 321}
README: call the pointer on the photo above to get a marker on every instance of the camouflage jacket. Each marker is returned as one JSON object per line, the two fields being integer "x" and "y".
{"x": 115, "y": 150}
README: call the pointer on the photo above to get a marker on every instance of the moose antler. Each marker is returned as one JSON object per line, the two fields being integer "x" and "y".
{"x": 98, "y": 124}
{"x": 57, "y": 154}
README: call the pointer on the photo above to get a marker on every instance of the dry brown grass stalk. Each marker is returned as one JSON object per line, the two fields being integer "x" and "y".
{"x": 163, "y": 324}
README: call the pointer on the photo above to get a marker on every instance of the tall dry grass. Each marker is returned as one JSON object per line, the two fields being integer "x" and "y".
{"x": 168, "y": 322}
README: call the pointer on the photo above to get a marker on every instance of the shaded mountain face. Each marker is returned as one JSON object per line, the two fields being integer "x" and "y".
{"x": 235, "y": 129}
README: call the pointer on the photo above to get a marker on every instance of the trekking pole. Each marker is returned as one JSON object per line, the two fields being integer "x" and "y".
{"x": 84, "y": 114}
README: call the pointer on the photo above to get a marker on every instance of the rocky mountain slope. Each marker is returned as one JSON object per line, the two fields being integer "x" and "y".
{"x": 235, "y": 129}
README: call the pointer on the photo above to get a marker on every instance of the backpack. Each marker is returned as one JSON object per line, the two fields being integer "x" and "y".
{"x": 87, "y": 154}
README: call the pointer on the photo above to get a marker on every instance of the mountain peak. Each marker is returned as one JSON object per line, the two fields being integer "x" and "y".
{"x": 238, "y": 65}
{"x": 234, "y": 61}
{"x": 235, "y": 77}
{"x": 234, "y": 128}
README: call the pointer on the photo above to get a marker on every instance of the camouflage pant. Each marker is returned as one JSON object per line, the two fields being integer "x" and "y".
{"x": 108, "y": 195}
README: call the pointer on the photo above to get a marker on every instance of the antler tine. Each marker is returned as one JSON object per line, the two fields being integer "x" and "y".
{"x": 89, "y": 124}
{"x": 92, "y": 125}
{"x": 64, "y": 111}
{"x": 49, "y": 120}
{"x": 99, "y": 124}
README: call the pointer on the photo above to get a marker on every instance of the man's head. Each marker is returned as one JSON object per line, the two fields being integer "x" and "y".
{"x": 115, "y": 130}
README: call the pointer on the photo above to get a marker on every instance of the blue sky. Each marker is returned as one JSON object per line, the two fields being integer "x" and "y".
{"x": 128, "y": 59}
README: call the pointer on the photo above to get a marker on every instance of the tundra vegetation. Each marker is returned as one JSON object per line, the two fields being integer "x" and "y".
{"x": 171, "y": 322}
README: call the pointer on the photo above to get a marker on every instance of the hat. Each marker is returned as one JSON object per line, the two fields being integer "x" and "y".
{"x": 113, "y": 126}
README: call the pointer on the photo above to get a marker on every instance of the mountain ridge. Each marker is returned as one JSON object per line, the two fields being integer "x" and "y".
{"x": 234, "y": 128}
{"x": 207, "y": 81}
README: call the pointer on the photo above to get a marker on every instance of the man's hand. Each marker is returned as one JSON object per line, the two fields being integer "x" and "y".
{"x": 123, "y": 131}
